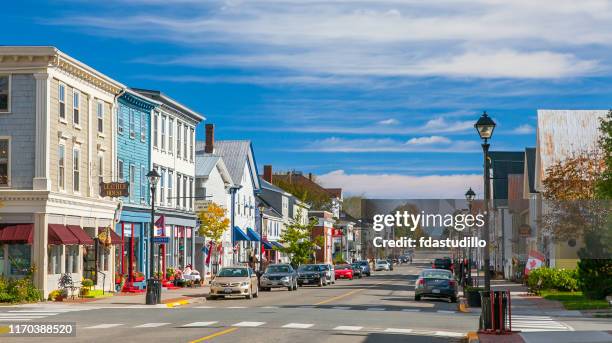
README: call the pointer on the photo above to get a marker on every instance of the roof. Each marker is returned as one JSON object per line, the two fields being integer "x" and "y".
{"x": 269, "y": 210}
{"x": 169, "y": 102}
{"x": 235, "y": 154}
{"x": 562, "y": 134}
{"x": 504, "y": 163}
{"x": 266, "y": 185}
{"x": 205, "y": 163}
{"x": 530, "y": 157}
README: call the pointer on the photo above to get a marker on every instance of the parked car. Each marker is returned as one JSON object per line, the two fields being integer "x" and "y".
{"x": 357, "y": 272}
{"x": 365, "y": 267}
{"x": 234, "y": 281}
{"x": 344, "y": 271}
{"x": 312, "y": 274}
{"x": 381, "y": 265}
{"x": 442, "y": 263}
{"x": 436, "y": 283}
{"x": 331, "y": 276}
{"x": 277, "y": 276}
{"x": 390, "y": 261}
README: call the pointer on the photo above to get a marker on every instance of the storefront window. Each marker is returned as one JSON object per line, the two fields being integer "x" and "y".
{"x": 72, "y": 259}
{"x": 54, "y": 255}
{"x": 19, "y": 258}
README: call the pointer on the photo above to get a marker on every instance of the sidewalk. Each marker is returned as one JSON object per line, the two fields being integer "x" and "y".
{"x": 182, "y": 296}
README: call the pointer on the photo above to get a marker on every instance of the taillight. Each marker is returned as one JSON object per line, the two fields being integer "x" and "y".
{"x": 420, "y": 282}
{"x": 453, "y": 283}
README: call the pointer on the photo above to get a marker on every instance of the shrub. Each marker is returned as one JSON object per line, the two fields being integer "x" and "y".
{"x": 551, "y": 278}
{"x": 87, "y": 283}
{"x": 55, "y": 294}
{"x": 18, "y": 290}
{"x": 595, "y": 277}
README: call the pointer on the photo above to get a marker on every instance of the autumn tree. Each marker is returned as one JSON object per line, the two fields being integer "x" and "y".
{"x": 213, "y": 222}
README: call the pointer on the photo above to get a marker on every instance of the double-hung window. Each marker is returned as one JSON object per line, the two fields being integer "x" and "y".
{"x": 61, "y": 96}
{"x": 170, "y": 136}
{"x": 185, "y": 142}
{"x": 155, "y": 126}
{"x": 132, "y": 182}
{"x": 76, "y": 101}
{"x": 190, "y": 193}
{"x": 178, "y": 190}
{"x": 143, "y": 184}
{"x": 143, "y": 127}
{"x": 120, "y": 174}
{"x": 4, "y": 161}
{"x": 100, "y": 115}
{"x": 132, "y": 123}
{"x": 76, "y": 175}
{"x": 163, "y": 133}
{"x": 5, "y": 93}
{"x": 191, "y": 133}
{"x": 185, "y": 193}
{"x": 170, "y": 182}
{"x": 120, "y": 121}
{"x": 162, "y": 187}
{"x": 179, "y": 129}
{"x": 100, "y": 168}
{"x": 61, "y": 172}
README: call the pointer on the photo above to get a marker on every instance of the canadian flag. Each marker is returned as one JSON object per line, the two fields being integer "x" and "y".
{"x": 535, "y": 260}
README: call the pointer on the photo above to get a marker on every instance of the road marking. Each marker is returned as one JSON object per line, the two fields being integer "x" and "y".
{"x": 236, "y": 307}
{"x": 307, "y": 306}
{"x": 538, "y": 323}
{"x": 339, "y": 297}
{"x": 18, "y": 319}
{"x": 411, "y": 310}
{"x": 205, "y": 307}
{"x": 398, "y": 330}
{"x": 216, "y": 334}
{"x": 198, "y": 324}
{"x": 270, "y": 307}
{"x": 446, "y": 311}
{"x": 297, "y": 326}
{"x": 348, "y": 328}
{"x": 103, "y": 326}
{"x": 151, "y": 325}
{"x": 376, "y": 309}
{"x": 249, "y": 324}
{"x": 341, "y": 307}
{"x": 10, "y": 315}
{"x": 449, "y": 334}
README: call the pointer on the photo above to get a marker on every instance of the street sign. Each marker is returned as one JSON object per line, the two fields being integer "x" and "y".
{"x": 114, "y": 189}
{"x": 161, "y": 240}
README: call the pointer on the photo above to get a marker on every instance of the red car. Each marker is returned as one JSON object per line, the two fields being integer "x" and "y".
{"x": 344, "y": 271}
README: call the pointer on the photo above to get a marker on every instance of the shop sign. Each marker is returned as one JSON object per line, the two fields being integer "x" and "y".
{"x": 161, "y": 240}
{"x": 114, "y": 189}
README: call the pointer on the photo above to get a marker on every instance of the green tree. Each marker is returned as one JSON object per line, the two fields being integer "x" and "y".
{"x": 604, "y": 185}
{"x": 299, "y": 243}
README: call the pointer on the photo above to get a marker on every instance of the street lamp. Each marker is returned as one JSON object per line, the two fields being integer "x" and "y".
{"x": 485, "y": 126}
{"x": 153, "y": 285}
{"x": 470, "y": 196}
{"x": 261, "y": 207}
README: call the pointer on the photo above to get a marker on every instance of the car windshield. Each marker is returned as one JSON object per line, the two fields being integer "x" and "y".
{"x": 309, "y": 268}
{"x": 324, "y": 267}
{"x": 363, "y": 263}
{"x": 278, "y": 269}
{"x": 436, "y": 274}
{"x": 233, "y": 272}
{"x": 343, "y": 267}
{"x": 381, "y": 262}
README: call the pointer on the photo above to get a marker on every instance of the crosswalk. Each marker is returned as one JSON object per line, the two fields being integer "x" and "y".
{"x": 292, "y": 325}
{"x": 344, "y": 308}
{"x": 528, "y": 323}
{"x": 28, "y": 314}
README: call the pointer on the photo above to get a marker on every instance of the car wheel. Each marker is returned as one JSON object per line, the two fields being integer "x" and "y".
{"x": 290, "y": 288}
{"x": 453, "y": 299}
{"x": 417, "y": 298}
{"x": 212, "y": 297}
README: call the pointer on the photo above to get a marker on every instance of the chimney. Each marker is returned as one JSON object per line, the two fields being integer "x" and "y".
{"x": 310, "y": 176}
{"x": 268, "y": 173}
{"x": 210, "y": 139}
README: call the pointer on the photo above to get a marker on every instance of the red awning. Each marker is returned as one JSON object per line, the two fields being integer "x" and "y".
{"x": 19, "y": 233}
{"x": 60, "y": 234}
{"x": 80, "y": 234}
{"x": 115, "y": 238}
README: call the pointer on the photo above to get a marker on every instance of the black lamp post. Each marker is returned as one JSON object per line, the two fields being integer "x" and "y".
{"x": 485, "y": 126}
{"x": 261, "y": 207}
{"x": 153, "y": 285}
{"x": 470, "y": 196}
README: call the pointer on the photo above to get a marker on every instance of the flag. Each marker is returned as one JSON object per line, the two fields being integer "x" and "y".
{"x": 535, "y": 261}
{"x": 209, "y": 251}
{"x": 160, "y": 225}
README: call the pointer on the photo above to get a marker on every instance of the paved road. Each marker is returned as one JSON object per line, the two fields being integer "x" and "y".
{"x": 379, "y": 308}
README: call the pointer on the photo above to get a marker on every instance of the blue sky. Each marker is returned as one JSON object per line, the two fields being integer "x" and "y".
{"x": 349, "y": 90}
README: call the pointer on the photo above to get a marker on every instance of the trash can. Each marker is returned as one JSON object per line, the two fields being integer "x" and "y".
{"x": 494, "y": 311}
{"x": 153, "y": 292}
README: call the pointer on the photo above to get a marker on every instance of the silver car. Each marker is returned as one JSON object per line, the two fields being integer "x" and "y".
{"x": 279, "y": 276}
{"x": 330, "y": 272}
{"x": 381, "y": 265}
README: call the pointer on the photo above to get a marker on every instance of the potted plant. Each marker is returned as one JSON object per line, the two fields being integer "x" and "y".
{"x": 87, "y": 284}
{"x": 472, "y": 294}
{"x": 57, "y": 295}
{"x": 138, "y": 276}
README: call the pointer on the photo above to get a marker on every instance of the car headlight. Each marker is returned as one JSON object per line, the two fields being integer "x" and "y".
{"x": 285, "y": 278}
{"x": 244, "y": 284}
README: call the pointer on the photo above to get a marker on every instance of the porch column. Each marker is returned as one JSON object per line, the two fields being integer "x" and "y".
{"x": 41, "y": 165}
{"x": 39, "y": 251}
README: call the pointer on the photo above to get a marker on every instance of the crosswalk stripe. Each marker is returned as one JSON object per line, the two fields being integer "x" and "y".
{"x": 348, "y": 328}
{"x": 205, "y": 307}
{"x": 249, "y": 324}
{"x": 394, "y": 330}
{"x": 297, "y": 326}
{"x": 270, "y": 307}
{"x": 103, "y": 326}
{"x": 151, "y": 325}
{"x": 26, "y": 314}
{"x": 411, "y": 310}
{"x": 376, "y": 309}
{"x": 341, "y": 307}
{"x": 449, "y": 334}
{"x": 446, "y": 311}
{"x": 18, "y": 319}
{"x": 197, "y": 324}
{"x": 237, "y": 307}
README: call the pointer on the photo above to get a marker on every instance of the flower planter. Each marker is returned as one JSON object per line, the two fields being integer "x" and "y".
{"x": 473, "y": 298}
{"x": 139, "y": 279}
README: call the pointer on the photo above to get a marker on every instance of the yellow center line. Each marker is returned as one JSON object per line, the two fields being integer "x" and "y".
{"x": 216, "y": 334}
{"x": 347, "y": 294}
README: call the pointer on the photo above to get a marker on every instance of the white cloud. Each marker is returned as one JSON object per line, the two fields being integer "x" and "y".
{"x": 524, "y": 129}
{"x": 428, "y": 140}
{"x": 434, "y": 144}
{"x": 464, "y": 38}
{"x": 440, "y": 124}
{"x": 390, "y": 121}
{"x": 403, "y": 186}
